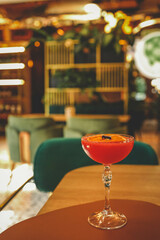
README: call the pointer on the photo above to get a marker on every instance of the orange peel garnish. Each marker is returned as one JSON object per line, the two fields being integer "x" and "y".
{"x": 111, "y": 138}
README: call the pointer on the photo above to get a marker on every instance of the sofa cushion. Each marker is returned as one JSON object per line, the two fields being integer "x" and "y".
{"x": 29, "y": 124}
{"x": 92, "y": 125}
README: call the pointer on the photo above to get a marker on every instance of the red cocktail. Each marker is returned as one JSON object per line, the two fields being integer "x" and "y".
{"x": 107, "y": 149}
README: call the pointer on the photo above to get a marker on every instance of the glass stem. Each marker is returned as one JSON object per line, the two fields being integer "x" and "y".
{"x": 107, "y": 177}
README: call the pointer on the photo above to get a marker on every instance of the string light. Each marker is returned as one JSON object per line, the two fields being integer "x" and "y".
{"x": 120, "y": 15}
{"x": 129, "y": 57}
{"x": 30, "y": 63}
{"x": 127, "y": 29}
{"x": 60, "y": 32}
{"x": 110, "y": 19}
{"x": 37, "y": 44}
{"x": 107, "y": 28}
{"x": 155, "y": 82}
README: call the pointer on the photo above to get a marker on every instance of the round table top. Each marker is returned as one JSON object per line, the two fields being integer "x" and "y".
{"x": 71, "y": 223}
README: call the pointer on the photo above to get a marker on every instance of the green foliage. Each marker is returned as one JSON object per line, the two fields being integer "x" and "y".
{"x": 41, "y": 35}
{"x": 107, "y": 39}
{"x": 88, "y": 36}
{"x": 74, "y": 78}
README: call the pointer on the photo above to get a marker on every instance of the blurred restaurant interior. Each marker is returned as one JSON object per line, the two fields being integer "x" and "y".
{"x": 69, "y": 68}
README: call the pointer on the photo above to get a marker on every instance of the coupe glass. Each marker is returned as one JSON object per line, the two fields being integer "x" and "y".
{"x": 107, "y": 149}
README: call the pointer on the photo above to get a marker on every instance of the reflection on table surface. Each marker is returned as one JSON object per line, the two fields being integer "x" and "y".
{"x": 85, "y": 185}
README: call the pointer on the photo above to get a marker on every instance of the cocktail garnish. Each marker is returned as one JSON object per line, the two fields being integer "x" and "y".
{"x": 106, "y": 137}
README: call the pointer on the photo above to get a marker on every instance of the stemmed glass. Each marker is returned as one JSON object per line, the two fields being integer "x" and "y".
{"x": 107, "y": 149}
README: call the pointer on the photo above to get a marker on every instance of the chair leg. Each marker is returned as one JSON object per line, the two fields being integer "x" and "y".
{"x": 24, "y": 142}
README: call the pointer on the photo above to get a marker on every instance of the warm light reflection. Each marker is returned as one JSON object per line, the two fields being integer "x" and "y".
{"x": 129, "y": 57}
{"x": 113, "y": 22}
{"x": 19, "y": 175}
{"x": 158, "y": 87}
{"x": 110, "y": 19}
{"x": 81, "y": 17}
{"x": 6, "y": 218}
{"x": 4, "y": 20}
{"x": 127, "y": 29}
{"x": 68, "y": 43}
{"x": 107, "y": 28}
{"x": 60, "y": 32}
{"x": 37, "y": 23}
{"x": 92, "y": 8}
{"x": 120, "y": 15}
{"x": 29, "y": 187}
{"x": 11, "y": 82}
{"x": 155, "y": 82}
{"x": 37, "y": 44}
{"x": 148, "y": 23}
{"x": 4, "y": 179}
{"x": 30, "y": 63}
{"x": 11, "y": 50}
{"x": 144, "y": 24}
{"x": 9, "y": 66}
{"x": 122, "y": 42}
{"x": 4, "y": 156}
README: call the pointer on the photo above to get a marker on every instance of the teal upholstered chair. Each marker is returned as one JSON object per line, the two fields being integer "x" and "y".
{"x": 141, "y": 154}
{"x": 35, "y": 129}
{"x": 78, "y": 127}
{"x": 55, "y": 157}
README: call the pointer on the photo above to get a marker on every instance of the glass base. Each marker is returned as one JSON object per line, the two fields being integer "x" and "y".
{"x": 105, "y": 220}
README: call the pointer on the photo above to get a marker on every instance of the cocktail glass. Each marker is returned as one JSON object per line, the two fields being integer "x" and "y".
{"x": 107, "y": 149}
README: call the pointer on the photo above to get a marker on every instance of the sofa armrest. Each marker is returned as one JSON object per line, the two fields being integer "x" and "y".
{"x": 12, "y": 136}
{"x": 40, "y": 135}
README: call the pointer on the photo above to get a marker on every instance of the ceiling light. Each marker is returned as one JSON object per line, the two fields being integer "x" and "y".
{"x": 9, "y": 66}
{"x": 11, "y": 50}
{"x": 11, "y": 82}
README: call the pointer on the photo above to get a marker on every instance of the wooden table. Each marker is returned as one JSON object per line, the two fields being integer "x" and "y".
{"x": 62, "y": 117}
{"x": 85, "y": 185}
{"x": 123, "y": 118}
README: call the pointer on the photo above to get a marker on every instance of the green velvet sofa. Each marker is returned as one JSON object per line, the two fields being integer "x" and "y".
{"x": 56, "y": 157}
{"x": 78, "y": 127}
{"x": 39, "y": 129}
